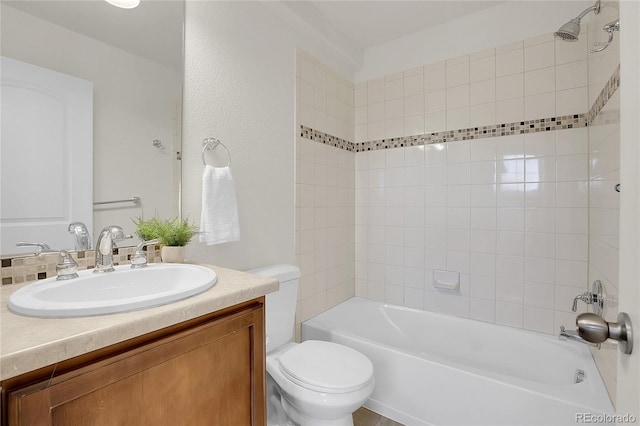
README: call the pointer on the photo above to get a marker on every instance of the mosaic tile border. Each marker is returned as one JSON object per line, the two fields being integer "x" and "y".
{"x": 605, "y": 94}
{"x": 26, "y": 268}
{"x": 504, "y": 129}
{"x": 325, "y": 138}
{"x": 480, "y": 132}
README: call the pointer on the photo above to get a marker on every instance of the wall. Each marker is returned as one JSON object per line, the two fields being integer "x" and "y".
{"x": 325, "y": 187}
{"x": 240, "y": 63}
{"x": 498, "y": 25}
{"x": 604, "y": 174}
{"x": 129, "y": 112}
{"x": 509, "y": 213}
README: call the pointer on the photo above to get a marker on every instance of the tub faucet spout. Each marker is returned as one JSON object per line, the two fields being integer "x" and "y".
{"x": 573, "y": 335}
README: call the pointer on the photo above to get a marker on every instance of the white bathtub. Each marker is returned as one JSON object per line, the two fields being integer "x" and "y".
{"x": 433, "y": 369}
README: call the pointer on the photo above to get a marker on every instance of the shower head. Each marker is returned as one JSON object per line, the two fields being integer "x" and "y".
{"x": 571, "y": 30}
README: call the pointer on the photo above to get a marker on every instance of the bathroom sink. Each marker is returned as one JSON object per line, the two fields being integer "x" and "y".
{"x": 123, "y": 290}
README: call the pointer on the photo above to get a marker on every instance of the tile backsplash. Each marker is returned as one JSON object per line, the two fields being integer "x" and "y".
{"x": 26, "y": 268}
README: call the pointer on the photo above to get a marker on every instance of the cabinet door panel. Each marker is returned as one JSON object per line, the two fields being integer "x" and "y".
{"x": 212, "y": 373}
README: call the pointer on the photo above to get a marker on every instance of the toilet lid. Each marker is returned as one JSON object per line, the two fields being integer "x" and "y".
{"x": 326, "y": 367}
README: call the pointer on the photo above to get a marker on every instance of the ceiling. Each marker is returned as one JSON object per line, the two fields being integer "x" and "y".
{"x": 153, "y": 30}
{"x": 155, "y": 27}
{"x": 364, "y": 24}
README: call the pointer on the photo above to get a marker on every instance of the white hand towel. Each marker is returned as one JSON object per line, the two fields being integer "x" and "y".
{"x": 219, "y": 221}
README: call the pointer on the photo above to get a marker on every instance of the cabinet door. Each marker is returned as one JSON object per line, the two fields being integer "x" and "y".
{"x": 212, "y": 374}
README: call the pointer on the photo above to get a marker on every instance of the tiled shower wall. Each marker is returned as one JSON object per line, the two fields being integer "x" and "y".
{"x": 509, "y": 213}
{"x": 325, "y": 190}
{"x": 604, "y": 175}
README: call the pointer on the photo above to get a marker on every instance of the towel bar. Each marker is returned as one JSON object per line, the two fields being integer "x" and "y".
{"x": 211, "y": 144}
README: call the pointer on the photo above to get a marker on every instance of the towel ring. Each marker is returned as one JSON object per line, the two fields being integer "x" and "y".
{"x": 211, "y": 144}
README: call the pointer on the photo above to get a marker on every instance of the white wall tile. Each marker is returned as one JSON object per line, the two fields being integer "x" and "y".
{"x": 509, "y": 111}
{"x": 540, "y": 81}
{"x": 394, "y": 89}
{"x": 538, "y": 319}
{"x": 510, "y": 291}
{"x": 482, "y": 68}
{"x": 458, "y": 174}
{"x": 435, "y": 77}
{"x": 482, "y": 92}
{"x": 458, "y": 96}
{"x": 540, "y": 270}
{"x": 572, "y": 167}
{"x": 414, "y": 84}
{"x": 483, "y": 150}
{"x": 509, "y": 62}
{"x": 482, "y": 309}
{"x": 571, "y": 75}
{"x": 482, "y": 286}
{"x": 435, "y": 122}
{"x": 571, "y": 101}
{"x": 509, "y": 314}
{"x": 457, "y": 74}
{"x": 458, "y": 152}
{"x": 510, "y": 86}
{"x": 458, "y": 118}
{"x": 482, "y": 114}
{"x": 539, "y": 106}
{"x": 539, "y": 56}
{"x": 414, "y": 105}
{"x": 539, "y": 295}
{"x": 540, "y": 169}
{"x": 483, "y": 219}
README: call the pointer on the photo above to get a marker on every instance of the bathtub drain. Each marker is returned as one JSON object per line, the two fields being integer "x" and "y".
{"x": 579, "y": 376}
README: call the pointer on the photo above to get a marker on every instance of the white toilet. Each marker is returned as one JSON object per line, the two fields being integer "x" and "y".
{"x": 313, "y": 383}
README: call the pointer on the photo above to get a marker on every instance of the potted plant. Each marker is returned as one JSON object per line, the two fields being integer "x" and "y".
{"x": 173, "y": 234}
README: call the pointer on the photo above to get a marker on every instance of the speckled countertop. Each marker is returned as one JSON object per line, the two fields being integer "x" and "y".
{"x": 29, "y": 343}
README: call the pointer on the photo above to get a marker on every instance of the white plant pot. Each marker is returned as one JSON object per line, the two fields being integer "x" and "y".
{"x": 172, "y": 254}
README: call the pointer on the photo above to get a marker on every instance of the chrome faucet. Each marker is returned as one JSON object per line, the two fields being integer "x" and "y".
{"x": 104, "y": 247}
{"x": 139, "y": 258}
{"x": 41, "y": 247}
{"x": 573, "y": 335}
{"x": 81, "y": 232}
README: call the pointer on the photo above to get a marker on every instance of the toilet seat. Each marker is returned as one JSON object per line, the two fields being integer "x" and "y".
{"x": 326, "y": 367}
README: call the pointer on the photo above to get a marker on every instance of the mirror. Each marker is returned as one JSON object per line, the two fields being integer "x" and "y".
{"x": 134, "y": 60}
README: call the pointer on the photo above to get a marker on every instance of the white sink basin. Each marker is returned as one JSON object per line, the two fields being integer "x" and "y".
{"x": 123, "y": 290}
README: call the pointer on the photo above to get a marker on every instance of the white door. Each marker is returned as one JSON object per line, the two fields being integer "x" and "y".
{"x": 628, "y": 378}
{"x": 46, "y": 147}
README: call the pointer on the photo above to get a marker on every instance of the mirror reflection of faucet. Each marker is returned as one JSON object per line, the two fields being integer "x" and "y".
{"x": 105, "y": 245}
{"x": 83, "y": 241}
{"x": 41, "y": 247}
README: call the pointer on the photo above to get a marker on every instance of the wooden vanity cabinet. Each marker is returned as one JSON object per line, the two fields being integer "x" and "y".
{"x": 206, "y": 371}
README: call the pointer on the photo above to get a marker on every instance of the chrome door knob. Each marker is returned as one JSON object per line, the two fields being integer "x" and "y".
{"x": 595, "y": 329}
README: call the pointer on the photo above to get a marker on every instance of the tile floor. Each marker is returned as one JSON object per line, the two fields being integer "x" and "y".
{"x": 364, "y": 417}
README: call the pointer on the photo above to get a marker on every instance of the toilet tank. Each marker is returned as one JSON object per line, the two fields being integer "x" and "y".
{"x": 281, "y": 305}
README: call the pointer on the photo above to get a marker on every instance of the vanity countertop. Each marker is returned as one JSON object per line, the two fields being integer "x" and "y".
{"x": 29, "y": 343}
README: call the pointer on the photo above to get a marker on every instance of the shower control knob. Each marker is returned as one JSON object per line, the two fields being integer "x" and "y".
{"x": 595, "y": 329}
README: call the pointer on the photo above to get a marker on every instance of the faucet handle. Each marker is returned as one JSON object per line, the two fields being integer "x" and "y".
{"x": 41, "y": 247}
{"x": 139, "y": 258}
{"x": 67, "y": 267}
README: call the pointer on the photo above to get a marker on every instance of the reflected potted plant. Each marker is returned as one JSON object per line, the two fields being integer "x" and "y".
{"x": 174, "y": 234}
